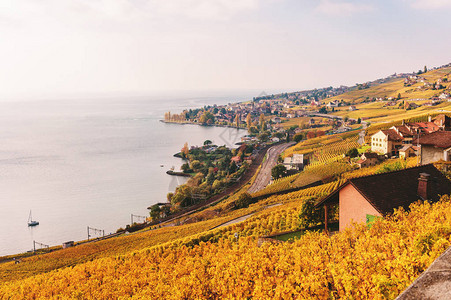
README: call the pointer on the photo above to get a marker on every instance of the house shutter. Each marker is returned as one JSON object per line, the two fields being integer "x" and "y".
{"x": 370, "y": 220}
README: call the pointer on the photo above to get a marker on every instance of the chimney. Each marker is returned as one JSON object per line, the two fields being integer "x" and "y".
{"x": 424, "y": 186}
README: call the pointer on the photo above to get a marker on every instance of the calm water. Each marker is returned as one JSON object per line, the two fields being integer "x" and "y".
{"x": 79, "y": 163}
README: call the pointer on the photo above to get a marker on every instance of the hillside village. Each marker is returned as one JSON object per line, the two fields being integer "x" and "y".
{"x": 334, "y": 193}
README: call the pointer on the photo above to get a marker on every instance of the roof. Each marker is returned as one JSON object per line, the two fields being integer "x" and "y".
{"x": 439, "y": 139}
{"x": 371, "y": 155}
{"x": 392, "y": 135}
{"x": 388, "y": 191}
{"x": 426, "y": 127}
{"x": 442, "y": 120}
{"x": 405, "y": 148}
{"x": 404, "y": 130}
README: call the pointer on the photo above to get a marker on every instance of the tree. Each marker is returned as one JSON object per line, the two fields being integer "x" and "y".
{"x": 310, "y": 215}
{"x": 210, "y": 177}
{"x": 263, "y": 137}
{"x": 323, "y": 110}
{"x": 399, "y": 96}
{"x": 237, "y": 120}
{"x": 232, "y": 167}
{"x": 185, "y": 150}
{"x": 425, "y": 69}
{"x": 279, "y": 135}
{"x": 298, "y": 137}
{"x": 207, "y": 118}
{"x": 207, "y": 142}
{"x": 253, "y": 130}
{"x": 278, "y": 171}
{"x": 196, "y": 165}
{"x": 243, "y": 201}
{"x": 359, "y": 120}
{"x": 185, "y": 168}
{"x": 262, "y": 122}
{"x": 352, "y": 152}
{"x": 248, "y": 121}
{"x": 155, "y": 211}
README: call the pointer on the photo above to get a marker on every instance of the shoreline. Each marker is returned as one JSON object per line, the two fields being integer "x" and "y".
{"x": 198, "y": 124}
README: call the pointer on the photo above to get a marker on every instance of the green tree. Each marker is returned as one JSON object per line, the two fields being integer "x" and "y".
{"x": 399, "y": 96}
{"x": 253, "y": 130}
{"x": 352, "y": 152}
{"x": 298, "y": 137}
{"x": 155, "y": 211}
{"x": 185, "y": 168}
{"x": 278, "y": 171}
{"x": 263, "y": 137}
{"x": 196, "y": 165}
{"x": 243, "y": 201}
{"x": 232, "y": 167}
{"x": 359, "y": 120}
{"x": 207, "y": 142}
{"x": 279, "y": 135}
{"x": 310, "y": 215}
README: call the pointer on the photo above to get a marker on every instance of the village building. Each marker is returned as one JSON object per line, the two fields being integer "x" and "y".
{"x": 333, "y": 104}
{"x": 408, "y": 151}
{"x": 236, "y": 160}
{"x": 435, "y": 146}
{"x": 386, "y": 142}
{"x": 296, "y": 162}
{"x": 276, "y": 120}
{"x": 443, "y": 122}
{"x": 368, "y": 159}
{"x": 361, "y": 200}
{"x": 392, "y": 140}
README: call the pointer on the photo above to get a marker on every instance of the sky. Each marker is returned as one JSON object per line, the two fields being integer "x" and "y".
{"x": 106, "y": 47}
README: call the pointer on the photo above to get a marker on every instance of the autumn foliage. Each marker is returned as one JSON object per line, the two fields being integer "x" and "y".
{"x": 359, "y": 263}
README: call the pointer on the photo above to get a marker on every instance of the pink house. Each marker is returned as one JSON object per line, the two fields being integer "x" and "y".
{"x": 363, "y": 199}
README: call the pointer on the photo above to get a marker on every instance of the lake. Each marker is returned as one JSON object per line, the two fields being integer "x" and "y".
{"x": 90, "y": 162}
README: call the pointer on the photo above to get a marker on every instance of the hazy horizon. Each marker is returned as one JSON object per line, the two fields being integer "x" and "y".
{"x": 130, "y": 47}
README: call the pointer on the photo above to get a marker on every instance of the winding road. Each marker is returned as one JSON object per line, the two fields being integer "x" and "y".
{"x": 264, "y": 176}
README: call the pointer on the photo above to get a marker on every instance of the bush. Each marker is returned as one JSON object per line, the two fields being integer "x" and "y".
{"x": 298, "y": 137}
{"x": 243, "y": 201}
{"x": 352, "y": 152}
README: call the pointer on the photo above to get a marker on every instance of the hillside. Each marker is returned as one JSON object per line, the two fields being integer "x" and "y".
{"x": 359, "y": 263}
{"x": 396, "y": 86}
{"x": 216, "y": 251}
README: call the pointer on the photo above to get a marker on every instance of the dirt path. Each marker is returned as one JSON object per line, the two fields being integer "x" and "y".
{"x": 245, "y": 217}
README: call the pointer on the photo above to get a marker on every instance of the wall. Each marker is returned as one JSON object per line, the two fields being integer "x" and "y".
{"x": 353, "y": 207}
{"x": 379, "y": 142}
{"x": 430, "y": 154}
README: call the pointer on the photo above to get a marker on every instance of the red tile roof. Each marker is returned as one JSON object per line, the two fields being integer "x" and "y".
{"x": 392, "y": 135}
{"x": 426, "y": 127}
{"x": 388, "y": 191}
{"x": 439, "y": 139}
{"x": 404, "y": 130}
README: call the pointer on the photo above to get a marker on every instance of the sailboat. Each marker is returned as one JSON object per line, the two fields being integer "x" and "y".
{"x": 31, "y": 222}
